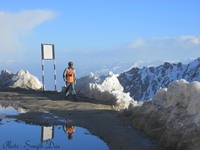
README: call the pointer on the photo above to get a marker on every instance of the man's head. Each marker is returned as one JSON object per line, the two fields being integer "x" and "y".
{"x": 70, "y": 64}
{"x": 70, "y": 136}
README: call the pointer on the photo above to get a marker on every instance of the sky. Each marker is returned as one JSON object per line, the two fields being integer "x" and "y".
{"x": 98, "y": 31}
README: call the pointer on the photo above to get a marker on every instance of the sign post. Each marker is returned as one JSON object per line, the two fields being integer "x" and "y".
{"x": 48, "y": 54}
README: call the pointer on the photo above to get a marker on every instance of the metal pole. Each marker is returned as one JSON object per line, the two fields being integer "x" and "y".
{"x": 54, "y": 73}
{"x": 43, "y": 73}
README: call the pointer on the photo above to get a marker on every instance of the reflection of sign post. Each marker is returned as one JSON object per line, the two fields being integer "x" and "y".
{"x": 47, "y": 133}
{"x": 48, "y": 54}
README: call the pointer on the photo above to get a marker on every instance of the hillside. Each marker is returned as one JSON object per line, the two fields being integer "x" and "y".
{"x": 143, "y": 83}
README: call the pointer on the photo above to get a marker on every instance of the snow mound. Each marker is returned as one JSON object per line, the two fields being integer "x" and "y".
{"x": 182, "y": 94}
{"x": 173, "y": 115}
{"x": 104, "y": 88}
{"x": 21, "y": 79}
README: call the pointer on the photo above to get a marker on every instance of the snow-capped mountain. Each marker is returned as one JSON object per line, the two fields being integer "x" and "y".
{"x": 143, "y": 83}
{"x": 120, "y": 67}
{"x": 82, "y": 69}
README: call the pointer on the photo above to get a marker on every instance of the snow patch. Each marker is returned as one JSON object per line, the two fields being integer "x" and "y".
{"x": 180, "y": 94}
{"x": 104, "y": 88}
{"x": 160, "y": 97}
{"x": 21, "y": 79}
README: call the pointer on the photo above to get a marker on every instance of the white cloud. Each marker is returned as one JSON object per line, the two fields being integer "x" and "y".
{"x": 15, "y": 25}
{"x": 165, "y": 47}
{"x": 166, "y": 43}
{"x": 156, "y": 48}
{"x": 191, "y": 39}
{"x": 137, "y": 44}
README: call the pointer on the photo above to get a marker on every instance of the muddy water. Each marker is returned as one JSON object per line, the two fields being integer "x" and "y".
{"x": 17, "y": 135}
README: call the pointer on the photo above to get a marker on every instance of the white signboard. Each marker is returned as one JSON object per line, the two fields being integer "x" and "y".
{"x": 47, "y": 133}
{"x": 48, "y": 51}
{"x": 48, "y": 54}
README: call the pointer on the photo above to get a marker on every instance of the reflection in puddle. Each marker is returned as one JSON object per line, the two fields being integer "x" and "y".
{"x": 69, "y": 130}
{"x": 23, "y": 136}
{"x": 7, "y": 110}
{"x": 20, "y": 136}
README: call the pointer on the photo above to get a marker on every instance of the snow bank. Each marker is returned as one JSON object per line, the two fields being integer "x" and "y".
{"x": 21, "y": 79}
{"x": 173, "y": 115}
{"x": 104, "y": 88}
{"x": 180, "y": 94}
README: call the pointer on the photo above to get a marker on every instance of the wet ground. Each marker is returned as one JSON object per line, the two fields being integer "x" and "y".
{"x": 49, "y": 109}
{"x": 15, "y": 134}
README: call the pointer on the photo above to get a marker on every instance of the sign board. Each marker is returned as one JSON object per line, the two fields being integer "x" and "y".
{"x": 47, "y": 51}
{"x": 48, "y": 54}
{"x": 47, "y": 133}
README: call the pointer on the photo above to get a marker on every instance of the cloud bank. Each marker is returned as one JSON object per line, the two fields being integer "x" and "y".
{"x": 16, "y": 25}
{"x": 160, "y": 48}
{"x": 150, "y": 49}
{"x": 166, "y": 43}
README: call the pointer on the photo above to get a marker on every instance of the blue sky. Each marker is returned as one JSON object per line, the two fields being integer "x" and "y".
{"x": 96, "y": 31}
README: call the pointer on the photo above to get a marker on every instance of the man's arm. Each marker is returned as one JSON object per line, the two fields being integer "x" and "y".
{"x": 74, "y": 76}
{"x": 64, "y": 74}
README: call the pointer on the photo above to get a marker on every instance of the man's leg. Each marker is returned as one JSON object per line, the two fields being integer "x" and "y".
{"x": 73, "y": 91}
{"x": 67, "y": 89}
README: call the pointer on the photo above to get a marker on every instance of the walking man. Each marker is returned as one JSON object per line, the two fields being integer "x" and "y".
{"x": 69, "y": 76}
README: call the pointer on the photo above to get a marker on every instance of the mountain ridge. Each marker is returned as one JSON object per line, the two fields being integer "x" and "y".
{"x": 143, "y": 83}
{"x": 120, "y": 67}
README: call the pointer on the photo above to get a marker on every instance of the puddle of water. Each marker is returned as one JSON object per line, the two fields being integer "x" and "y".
{"x": 21, "y": 136}
{"x": 8, "y": 110}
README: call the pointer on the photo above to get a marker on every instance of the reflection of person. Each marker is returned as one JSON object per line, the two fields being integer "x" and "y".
{"x": 69, "y": 76}
{"x": 69, "y": 130}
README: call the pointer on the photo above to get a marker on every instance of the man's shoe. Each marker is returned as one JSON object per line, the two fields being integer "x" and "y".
{"x": 75, "y": 99}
